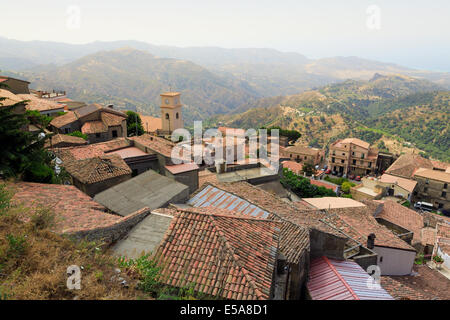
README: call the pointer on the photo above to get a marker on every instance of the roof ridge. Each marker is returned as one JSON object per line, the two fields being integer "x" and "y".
{"x": 333, "y": 268}
{"x": 236, "y": 258}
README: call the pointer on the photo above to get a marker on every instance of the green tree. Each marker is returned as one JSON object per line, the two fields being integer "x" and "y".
{"x": 78, "y": 134}
{"x": 134, "y": 124}
{"x": 308, "y": 169}
{"x": 22, "y": 152}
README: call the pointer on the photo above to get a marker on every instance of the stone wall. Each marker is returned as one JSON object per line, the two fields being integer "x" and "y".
{"x": 114, "y": 232}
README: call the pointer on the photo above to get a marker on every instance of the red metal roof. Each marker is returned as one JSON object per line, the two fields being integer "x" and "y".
{"x": 342, "y": 280}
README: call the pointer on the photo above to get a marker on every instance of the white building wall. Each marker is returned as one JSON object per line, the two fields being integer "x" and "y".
{"x": 444, "y": 256}
{"x": 395, "y": 262}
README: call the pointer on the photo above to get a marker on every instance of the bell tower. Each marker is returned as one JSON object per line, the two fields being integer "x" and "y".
{"x": 171, "y": 116}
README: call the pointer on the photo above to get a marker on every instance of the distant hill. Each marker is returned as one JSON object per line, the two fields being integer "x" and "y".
{"x": 132, "y": 78}
{"x": 392, "y": 108}
{"x": 268, "y": 72}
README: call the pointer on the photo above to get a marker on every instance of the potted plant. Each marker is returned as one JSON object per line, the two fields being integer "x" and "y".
{"x": 438, "y": 261}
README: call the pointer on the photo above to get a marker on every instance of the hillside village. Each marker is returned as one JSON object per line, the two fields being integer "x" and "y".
{"x": 314, "y": 227}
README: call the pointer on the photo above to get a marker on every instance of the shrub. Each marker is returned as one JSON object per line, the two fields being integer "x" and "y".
{"x": 78, "y": 134}
{"x": 438, "y": 259}
{"x": 17, "y": 245}
{"x": 148, "y": 270}
{"x": 43, "y": 218}
{"x": 5, "y": 199}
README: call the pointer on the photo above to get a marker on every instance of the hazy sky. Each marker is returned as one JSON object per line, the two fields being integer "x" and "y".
{"x": 412, "y": 33}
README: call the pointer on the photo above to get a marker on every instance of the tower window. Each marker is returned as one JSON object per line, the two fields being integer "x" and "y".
{"x": 167, "y": 116}
{"x": 177, "y": 116}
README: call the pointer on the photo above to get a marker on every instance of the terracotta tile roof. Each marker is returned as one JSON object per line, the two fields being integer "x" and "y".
{"x": 295, "y": 167}
{"x": 39, "y": 104}
{"x": 399, "y": 291}
{"x": 94, "y": 150}
{"x": 11, "y": 98}
{"x": 443, "y": 230}
{"x": 357, "y": 142}
{"x": 74, "y": 210}
{"x": 63, "y": 120}
{"x": 154, "y": 143}
{"x": 85, "y": 110}
{"x": 402, "y": 216}
{"x": 321, "y": 183}
{"x": 111, "y": 119}
{"x": 206, "y": 176}
{"x": 151, "y": 124}
{"x": 362, "y": 220}
{"x": 407, "y": 164}
{"x": 90, "y": 127}
{"x": 404, "y": 183}
{"x": 65, "y": 140}
{"x": 428, "y": 236}
{"x": 223, "y": 256}
{"x": 97, "y": 169}
{"x": 433, "y": 174}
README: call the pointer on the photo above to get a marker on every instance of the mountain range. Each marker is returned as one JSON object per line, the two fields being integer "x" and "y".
{"x": 398, "y": 113}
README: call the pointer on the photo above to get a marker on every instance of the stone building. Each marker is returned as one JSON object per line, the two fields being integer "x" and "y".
{"x": 352, "y": 156}
{"x": 303, "y": 154}
{"x": 433, "y": 187}
{"x": 97, "y": 122}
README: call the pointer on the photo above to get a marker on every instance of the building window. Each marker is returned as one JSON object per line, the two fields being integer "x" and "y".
{"x": 440, "y": 205}
{"x": 66, "y": 130}
{"x": 354, "y": 161}
{"x": 114, "y": 133}
{"x": 306, "y": 158}
{"x": 370, "y": 164}
{"x": 353, "y": 153}
{"x": 445, "y": 185}
{"x": 444, "y": 194}
{"x": 427, "y": 181}
{"x": 425, "y": 189}
{"x": 97, "y": 135}
{"x": 177, "y": 116}
{"x": 167, "y": 116}
{"x": 342, "y": 161}
{"x": 381, "y": 259}
{"x": 362, "y": 155}
{"x": 290, "y": 156}
{"x": 332, "y": 160}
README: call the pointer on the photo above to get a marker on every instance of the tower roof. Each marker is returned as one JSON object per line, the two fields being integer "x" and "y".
{"x": 170, "y": 94}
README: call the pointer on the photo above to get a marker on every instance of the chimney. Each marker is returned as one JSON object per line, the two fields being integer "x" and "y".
{"x": 371, "y": 241}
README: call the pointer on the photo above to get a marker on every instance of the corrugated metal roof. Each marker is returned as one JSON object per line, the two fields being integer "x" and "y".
{"x": 341, "y": 280}
{"x": 213, "y": 197}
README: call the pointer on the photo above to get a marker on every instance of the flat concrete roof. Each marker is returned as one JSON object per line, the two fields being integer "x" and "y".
{"x": 245, "y": 174}
{"x": 148, "y": 189}
{"x": 333, "y": 202}
{"x": 367, "y": 191}
{"x": 145, "y": 237}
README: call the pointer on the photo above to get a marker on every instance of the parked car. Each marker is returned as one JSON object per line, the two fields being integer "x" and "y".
{"x": 424, "y": 206}
{"x": 446, "y": 213}
{"x": 357, "y": 178}
{"x": 334, "y": 173}
{"x": 327, "y": 171}
{"x": 351, "y": 176}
